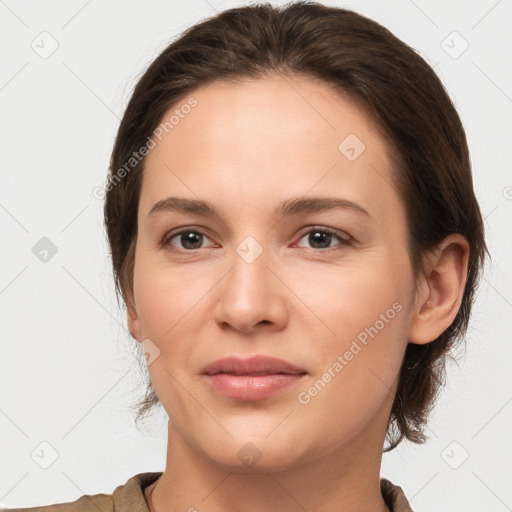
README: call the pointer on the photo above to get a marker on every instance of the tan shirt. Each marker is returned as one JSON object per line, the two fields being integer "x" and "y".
{"x": 129, "y": 497}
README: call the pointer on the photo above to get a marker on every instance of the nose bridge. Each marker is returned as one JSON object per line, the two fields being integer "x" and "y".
{"x": 250, "y": 269}
{"x": 251, "y": 294}
{"x": 249, "y": 282}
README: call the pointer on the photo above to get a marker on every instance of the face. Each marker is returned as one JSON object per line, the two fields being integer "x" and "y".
{"x": 271, "y": 273}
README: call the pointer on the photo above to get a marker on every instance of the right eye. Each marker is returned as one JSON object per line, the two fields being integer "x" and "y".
{"x": 190, "y": 240}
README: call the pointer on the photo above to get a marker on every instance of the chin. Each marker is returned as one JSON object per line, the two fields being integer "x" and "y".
{"x": 266, "y": 464}
{"x": 254, "y": 454}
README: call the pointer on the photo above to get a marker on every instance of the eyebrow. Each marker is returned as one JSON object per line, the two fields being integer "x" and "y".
{"x": 288, "y": 207}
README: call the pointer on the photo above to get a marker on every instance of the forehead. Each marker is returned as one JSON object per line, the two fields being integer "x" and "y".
{"x": 259, "y": 138}
{"x": 272, "y": 112}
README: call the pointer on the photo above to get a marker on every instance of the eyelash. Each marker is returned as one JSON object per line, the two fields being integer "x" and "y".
{"x": 344, "y": 241}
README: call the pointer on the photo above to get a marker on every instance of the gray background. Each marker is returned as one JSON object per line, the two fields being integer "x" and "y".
{"x": 67, "y": 369}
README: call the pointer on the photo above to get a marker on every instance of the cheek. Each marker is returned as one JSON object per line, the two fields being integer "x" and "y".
{"x": 365, "y": 310}
{"x": 167, "y": 303}
{"x": 351, "y": 298}
{"x": 164, "y": 299}
{"x": 357, "y": 366}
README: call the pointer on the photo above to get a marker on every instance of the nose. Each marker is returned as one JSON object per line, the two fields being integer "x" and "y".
{"x": 252, "y": 296}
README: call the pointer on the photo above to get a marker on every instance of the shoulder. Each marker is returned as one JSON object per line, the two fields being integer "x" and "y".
{"x": 394, "y": 496}
{"x": 126, "y": 497}
{"x": 98, "y": 503}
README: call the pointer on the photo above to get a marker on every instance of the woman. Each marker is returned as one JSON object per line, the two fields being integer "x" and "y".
{"x": 295, "y": 235}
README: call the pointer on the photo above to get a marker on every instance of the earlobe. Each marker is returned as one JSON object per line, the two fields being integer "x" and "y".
{"x": 446, "y": 279}
{"x": 134, "y": 323}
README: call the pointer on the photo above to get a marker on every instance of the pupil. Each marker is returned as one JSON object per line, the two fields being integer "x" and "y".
{"x": 320, "y": 237}
{"x": 189, "y": 239}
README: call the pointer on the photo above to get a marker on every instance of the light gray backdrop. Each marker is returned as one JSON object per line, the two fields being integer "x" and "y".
{"x": 67, "y": 374}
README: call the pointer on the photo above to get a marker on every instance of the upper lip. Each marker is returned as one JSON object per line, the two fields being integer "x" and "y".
{"x": 255, "y": 365}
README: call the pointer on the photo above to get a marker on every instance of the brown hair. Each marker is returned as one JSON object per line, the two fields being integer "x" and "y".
{"x": 366, "y": 62}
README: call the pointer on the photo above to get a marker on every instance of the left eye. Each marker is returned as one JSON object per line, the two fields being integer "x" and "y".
{"x": 321, "y": 238}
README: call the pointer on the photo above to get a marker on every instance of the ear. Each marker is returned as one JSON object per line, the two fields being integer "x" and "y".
{"x": 439, "y": 301}
{"x": 133, "y": 321}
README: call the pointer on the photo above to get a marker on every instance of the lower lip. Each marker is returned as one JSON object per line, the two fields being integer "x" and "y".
{"x": 251, "y": 387}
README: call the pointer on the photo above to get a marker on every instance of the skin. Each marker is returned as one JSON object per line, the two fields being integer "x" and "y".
{"x": 245, "y": 148}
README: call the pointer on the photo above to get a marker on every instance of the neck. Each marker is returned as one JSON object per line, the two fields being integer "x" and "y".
{"x": 343, "y": 479}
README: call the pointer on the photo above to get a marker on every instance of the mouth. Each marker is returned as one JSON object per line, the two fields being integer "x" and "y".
{"x": 252, "y": 366}
{"x": 250, "y": 379}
